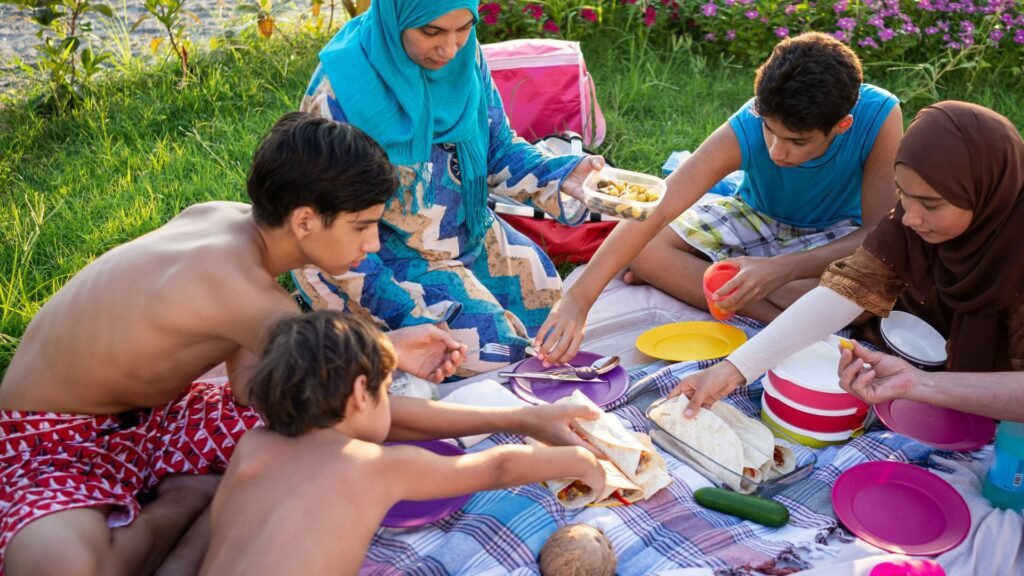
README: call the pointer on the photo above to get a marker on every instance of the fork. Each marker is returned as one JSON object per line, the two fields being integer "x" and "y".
{"x": 492, "y": 349}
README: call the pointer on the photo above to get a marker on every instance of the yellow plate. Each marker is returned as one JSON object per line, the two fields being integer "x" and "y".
{"x": 690, "y": 341}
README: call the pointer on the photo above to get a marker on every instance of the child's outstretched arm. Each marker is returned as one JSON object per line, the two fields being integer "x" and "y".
{"x": 423, "y": 475}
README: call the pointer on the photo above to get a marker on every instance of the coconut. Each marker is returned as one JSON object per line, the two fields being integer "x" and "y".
{"x": 577, "y": 550}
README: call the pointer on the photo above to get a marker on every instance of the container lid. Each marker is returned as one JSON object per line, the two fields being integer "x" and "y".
{"x": 769, "y": 388}
{"x": 814, "y": 367}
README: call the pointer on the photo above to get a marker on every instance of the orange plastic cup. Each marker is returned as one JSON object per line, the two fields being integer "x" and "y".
{"x": 714, "y": 278}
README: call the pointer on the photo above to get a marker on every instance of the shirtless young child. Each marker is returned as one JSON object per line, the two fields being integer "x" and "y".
{"x": 99, "y": 405}
{"x": 306, "y": 495}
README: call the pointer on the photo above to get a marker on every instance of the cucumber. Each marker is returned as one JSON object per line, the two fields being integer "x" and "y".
{"x": 761, "y": 510}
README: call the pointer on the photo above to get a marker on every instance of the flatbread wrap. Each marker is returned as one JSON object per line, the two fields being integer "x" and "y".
{"x": 757, "y": 440}
{"x": 707, "y": 433}
{"x": 634, "y": 459}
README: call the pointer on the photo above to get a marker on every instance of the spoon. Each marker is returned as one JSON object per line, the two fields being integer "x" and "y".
{"x": 598, "y": 367}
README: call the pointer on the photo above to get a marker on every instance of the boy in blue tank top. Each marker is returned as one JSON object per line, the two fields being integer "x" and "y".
{"x": 817, "y": 146}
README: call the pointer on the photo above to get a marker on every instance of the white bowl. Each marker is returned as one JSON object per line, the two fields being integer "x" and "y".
{"x": 913, "y": 338}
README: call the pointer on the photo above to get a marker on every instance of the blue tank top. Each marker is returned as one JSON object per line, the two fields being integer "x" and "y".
{"x": 820, "y": 192}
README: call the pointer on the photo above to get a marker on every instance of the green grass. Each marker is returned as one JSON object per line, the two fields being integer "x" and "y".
{"x": 75, "y": 186}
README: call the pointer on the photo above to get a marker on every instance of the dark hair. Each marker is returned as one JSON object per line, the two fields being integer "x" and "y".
{"x": 306, "y": 160}
{"x": 810, "y": 82}
{"x": 308, "y": 370}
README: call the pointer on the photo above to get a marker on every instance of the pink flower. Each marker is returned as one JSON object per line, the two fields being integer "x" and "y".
{"x": 886, "y": 34}
{"x": 790, "y": 9}
{"x": 995, "y": 35}
{"x": 650, "y": 16}
{"x": 730, "y": 35}
{"x": 709, "y": 37}
{"x": 782, "y": 32}
{"x": 709, "y": 9}
{"x": 551, "y": 26}
{"x": 751, "y": 14}
{"x": 630, "y": 2}
{"x": 490, "y": 18}
{"x": 588, "y": 14}
{"x": 841, "y": 35}
{"x": 490, "y": 8}
{"x": 535, "y": 10}
{"x": 840, "y": 6}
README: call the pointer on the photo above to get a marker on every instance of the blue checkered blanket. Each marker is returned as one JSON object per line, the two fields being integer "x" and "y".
{"x": 502, "y": 532}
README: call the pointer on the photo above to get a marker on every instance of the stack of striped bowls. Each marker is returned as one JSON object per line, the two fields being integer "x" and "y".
{"x": 803, "y": 401}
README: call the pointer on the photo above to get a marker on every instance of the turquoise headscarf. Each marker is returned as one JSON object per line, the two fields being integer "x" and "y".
{"x": 407, "y": 108}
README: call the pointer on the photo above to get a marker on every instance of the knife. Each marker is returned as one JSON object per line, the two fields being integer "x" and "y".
{"x": 550, "y": 376}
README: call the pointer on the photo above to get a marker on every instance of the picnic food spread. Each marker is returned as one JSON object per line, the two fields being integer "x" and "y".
{"x": 577, "y": 549}
{"x": 627, "y": 190}
{"x": 744, "y": 450}
{"x": 634, "y": 471}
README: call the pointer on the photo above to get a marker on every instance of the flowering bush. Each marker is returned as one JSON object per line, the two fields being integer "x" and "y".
{"x": 879, "y": 30}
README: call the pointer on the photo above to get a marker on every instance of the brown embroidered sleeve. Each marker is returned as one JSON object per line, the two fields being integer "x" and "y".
{"x": 1016, "y": 333}
{"x": 865, "y": 280}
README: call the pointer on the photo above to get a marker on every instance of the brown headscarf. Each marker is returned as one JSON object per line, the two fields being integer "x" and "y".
{"x": 974, "y": 158}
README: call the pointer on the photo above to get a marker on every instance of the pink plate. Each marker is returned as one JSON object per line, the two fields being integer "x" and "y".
{"x": 901, "y": 508}
{"x": 942, "y": 428}
{"x": 603, "y": 390}
{"x": 407, "y": 514}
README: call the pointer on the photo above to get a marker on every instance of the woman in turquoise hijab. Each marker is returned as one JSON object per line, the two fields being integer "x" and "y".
{"x": 410, "y": 73}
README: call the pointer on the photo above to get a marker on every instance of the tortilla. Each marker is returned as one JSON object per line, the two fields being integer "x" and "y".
{"x": 783, "y": 461}
{"x": 571, "y": 492}
{"x": 707, "y": 433}
{"x": 757, "y": 440}
{"x": 634, "y": 460}
{"x": 661, "y": 478}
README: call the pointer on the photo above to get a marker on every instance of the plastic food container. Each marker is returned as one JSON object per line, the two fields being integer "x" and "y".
{"x": 914, "y": 339}
{"x": 806, "y": 437}
{"x": 810, "y": 419}
{"x": 810, "y": 378}
{"x": 614, "y": 205}
{"x": 714, "y": 471}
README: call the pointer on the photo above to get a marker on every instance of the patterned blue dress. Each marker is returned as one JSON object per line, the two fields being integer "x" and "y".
{"x": 497, "y": 289}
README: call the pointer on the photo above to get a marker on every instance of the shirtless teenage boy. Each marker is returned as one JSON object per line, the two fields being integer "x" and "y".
{"x": 306, "y": 494}
{"x": 98, "y": 403}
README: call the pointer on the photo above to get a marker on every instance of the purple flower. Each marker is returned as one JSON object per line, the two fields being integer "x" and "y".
{"x": 886, "y": 34}
{"x": 876, "y": 21}
{"x": 931, "y": 30}
{"x": 790, "y": 9}
{"x": 588, "y": 14}
{"x": 995, "y": 36}
{"x": 841, "y": 35}
{"x": 730, "y": 35}
{"x": 535, "y": 10}
{"x": 953, "y": 46}
{"x": 551, "y": 26}
{"x": 730, "y": 2}
{"x": 1018, "y": 36}
{"x": 840, "y": 6}
{"x": 650, "y": 16}
{"x": 868, "y": 42}
{"x": 943, "y": 25}
{"x": 910, "y": 28}
{"x": 847, "y": 24}
{"x": 782, "y": 32}
{"x": 709, "y": 9}
{"x": 967, "y": 27}
{"x": 709, "y": 37}
{"x": 751, "y": 14}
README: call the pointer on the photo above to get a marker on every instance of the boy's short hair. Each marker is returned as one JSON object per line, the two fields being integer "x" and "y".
{"x": 306, "y": 160}
{"x": 308, "y": 371}
{"x": 810, "y": 82}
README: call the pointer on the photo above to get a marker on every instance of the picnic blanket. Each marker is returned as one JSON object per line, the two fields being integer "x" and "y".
{"x": 501, "y": 532}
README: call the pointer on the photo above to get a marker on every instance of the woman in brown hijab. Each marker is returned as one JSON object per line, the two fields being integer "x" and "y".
{"x": 950, "y": 252}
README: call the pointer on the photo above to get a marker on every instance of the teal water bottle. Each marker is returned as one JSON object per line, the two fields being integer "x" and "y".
{"x": 1004, "y": 483}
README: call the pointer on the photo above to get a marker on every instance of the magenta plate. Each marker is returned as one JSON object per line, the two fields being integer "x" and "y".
{"x": 538, "y": 391}
{"x": 901, "y": 508}
{"x": 938, "y": 427}
{"x": 407, "y": 513}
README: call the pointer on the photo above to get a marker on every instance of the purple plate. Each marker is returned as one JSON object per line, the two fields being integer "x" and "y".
{"x": 538, "y": 391}
{"x": 901, "y": 508}
{"x": 942, "y": 428}
{"x": 408, "y": 513}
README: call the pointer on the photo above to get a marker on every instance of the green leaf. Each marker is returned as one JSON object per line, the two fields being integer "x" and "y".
{"x": 137, "y": 22}
{"x": 102, "y": 9}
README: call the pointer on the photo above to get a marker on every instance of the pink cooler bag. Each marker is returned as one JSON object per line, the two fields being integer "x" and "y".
{"x": 545, "y": 88}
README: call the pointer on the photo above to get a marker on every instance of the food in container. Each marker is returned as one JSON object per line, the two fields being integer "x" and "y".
{"x": 713, "y": 447}
{"x": 623, "y": 193}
